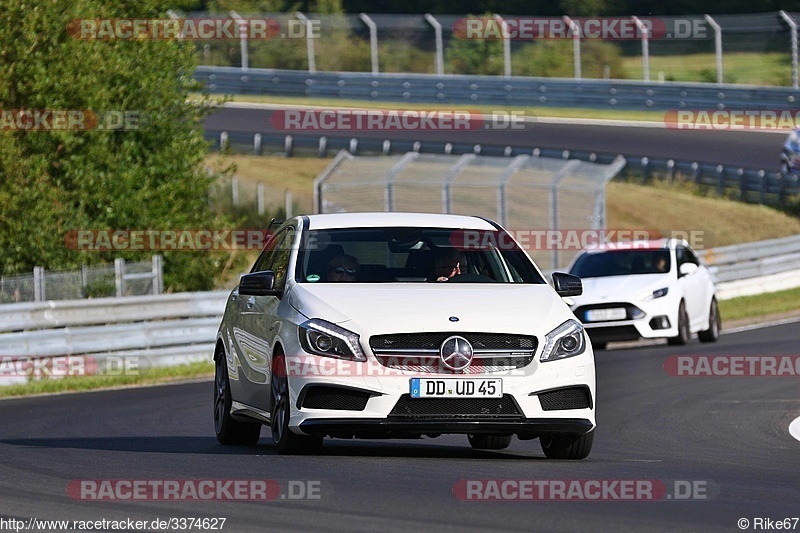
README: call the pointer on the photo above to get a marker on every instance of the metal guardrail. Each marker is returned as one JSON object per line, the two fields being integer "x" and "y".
{"x": 745, "y": 184}
{"x": 496, "y": 90}
{"x": 99, "y": 311}
{"x": 180, "y": 328}
{"x": 755, "y": 259}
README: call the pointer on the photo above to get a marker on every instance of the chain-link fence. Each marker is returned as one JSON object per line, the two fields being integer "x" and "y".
{"x": 118, "y": 279}
{"x": 530, "y": 196}
{"x": 756, "y": 49}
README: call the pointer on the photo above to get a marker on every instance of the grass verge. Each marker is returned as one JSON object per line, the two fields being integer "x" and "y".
{"x": 771, "y": 303}
{"x": 151, "y": 376}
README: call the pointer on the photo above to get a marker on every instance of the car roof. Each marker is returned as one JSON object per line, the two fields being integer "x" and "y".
{"x": 653, "y": 244}
{"x": 414, "y": 220}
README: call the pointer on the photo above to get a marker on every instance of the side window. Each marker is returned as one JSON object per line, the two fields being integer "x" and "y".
{"x": 265, "y": 259}
{"x": 680, "y": 255}
{"x": 280, "y": 263}
{"x": 690, "y": 257}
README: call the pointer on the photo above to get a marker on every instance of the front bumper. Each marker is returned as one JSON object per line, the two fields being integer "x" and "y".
{"x": 647, "y": 326}
{"x": 386, "y": 411}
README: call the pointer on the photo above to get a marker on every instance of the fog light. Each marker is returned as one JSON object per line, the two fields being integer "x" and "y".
{"x": 660, "y": 322}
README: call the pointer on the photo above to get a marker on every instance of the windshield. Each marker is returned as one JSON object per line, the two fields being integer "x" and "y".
{"x": 621, "y": 263}
{"x": 396, "y": 254}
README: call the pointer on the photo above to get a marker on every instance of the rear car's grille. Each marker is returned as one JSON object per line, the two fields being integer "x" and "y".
{"x": 407, "y": 407}
{"x": 419, "y": 352}
{"x": 570, "y": 398}
{"x": 334, "y": 398}
{"x": 631, "y": 311}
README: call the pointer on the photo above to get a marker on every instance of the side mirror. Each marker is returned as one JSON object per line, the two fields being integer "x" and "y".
{"x": 687, "y": 268}
{"x": 567, "y": 284}
{"x": 258, "y": 284}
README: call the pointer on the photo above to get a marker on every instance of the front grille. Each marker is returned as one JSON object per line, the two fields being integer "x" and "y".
{"x": 335, "y": 398}
{"x": 408, "y": 407}
{"x": 434, "y": 365}
{"x": 613, "y": 333}
{"x": 630, "y": 311}
{"x": 571, "y": 398}
{"x": 419, "y": 352}
{"x": 497, "y": 342}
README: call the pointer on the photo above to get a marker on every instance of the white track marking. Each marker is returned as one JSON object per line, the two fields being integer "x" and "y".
{"x": 794, "y": 428}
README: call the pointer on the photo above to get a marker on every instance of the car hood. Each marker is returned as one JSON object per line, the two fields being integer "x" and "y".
{"x": 619, "y": 288}
{"x": 402, "y": 307}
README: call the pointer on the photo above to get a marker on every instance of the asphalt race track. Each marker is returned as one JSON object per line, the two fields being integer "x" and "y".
{"x": 727, "y": 435}
{"x": 748, "y": 149}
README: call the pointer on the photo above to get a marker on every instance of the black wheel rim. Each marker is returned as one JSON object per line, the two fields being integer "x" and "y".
{"x": 279, "y": 406}
{"x": 220, "y": 388}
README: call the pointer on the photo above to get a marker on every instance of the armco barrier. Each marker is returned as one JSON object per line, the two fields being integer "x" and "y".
{"x": 496, "y": 90}
{"x": 178, "y": 328}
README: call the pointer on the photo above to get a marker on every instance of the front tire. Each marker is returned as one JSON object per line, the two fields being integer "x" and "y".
{"x": 489, "y": 442}
{"x": 286, "y": 442}
{"x": 572, "y": 447}
{"x": 228, "y": 430}
{"x": 684, "y": 334}
{"x": 714, "y": 324}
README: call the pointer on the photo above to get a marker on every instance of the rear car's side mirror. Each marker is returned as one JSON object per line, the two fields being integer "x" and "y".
{"x": 687, "y": 268}
{"x": 258, "y": 284}
{"x": 567, "y": 284}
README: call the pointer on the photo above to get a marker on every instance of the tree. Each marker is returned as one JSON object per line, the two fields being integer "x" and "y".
{"x": 55, "y": 181}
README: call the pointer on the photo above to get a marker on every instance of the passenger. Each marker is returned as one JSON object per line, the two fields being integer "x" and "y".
{"x": 448, "y": 265}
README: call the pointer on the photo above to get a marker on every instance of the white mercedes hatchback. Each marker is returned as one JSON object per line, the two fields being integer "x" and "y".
{"x": 402, "y": 325}
{"x": 645, "y": 289}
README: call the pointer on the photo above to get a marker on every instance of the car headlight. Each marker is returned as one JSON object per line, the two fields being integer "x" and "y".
{"x": 321, "y": 337}
{"x": 647, "y": 296}
{"x": 567, "y": 340}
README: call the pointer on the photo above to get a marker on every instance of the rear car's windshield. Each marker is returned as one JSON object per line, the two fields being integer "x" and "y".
{"x": 621, "y": 263}
{"x": 396, "y": 254}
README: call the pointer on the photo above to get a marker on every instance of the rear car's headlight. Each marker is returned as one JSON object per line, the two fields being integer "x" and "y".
{"x": 321, "y": 337}
{"x": 567, "y": 340}
{"x": 647, "y": 296}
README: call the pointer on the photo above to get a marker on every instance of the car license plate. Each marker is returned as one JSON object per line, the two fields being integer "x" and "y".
{"x": 456, "y": 388}
{"x": 597, "y": 315}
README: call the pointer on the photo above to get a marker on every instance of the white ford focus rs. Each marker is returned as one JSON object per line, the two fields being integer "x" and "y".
{"x": 645, "y": 289}
{"x": 402, "y": 325}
